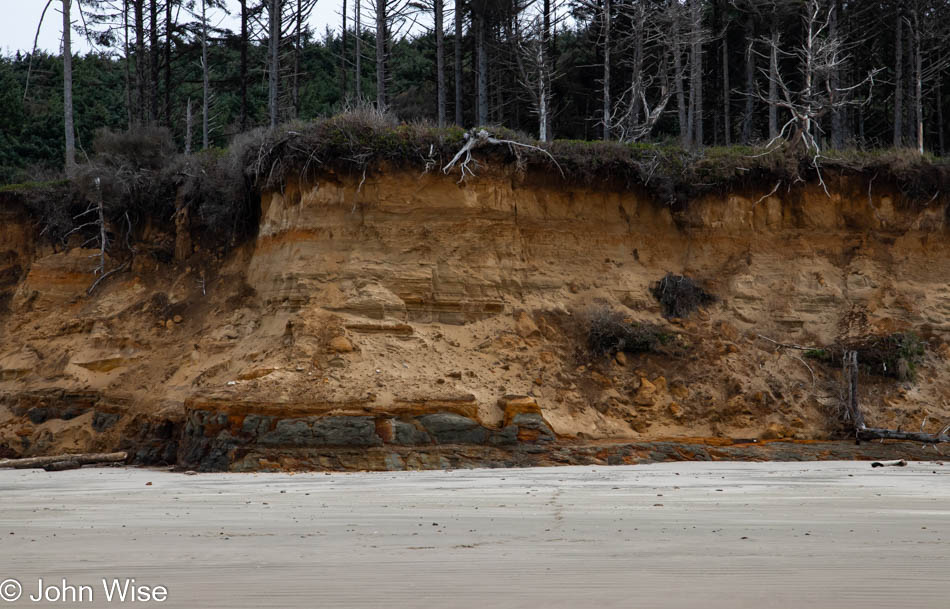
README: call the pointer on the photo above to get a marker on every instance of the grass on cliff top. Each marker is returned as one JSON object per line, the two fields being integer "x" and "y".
{"x": 365, "y": 140}
{"x": 142, "y": 180}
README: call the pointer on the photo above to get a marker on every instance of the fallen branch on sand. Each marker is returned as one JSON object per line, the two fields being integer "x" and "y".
{"x": 79, "y": 460}
{"x": 874, "y": 433}
{"x": 900, "y": 463}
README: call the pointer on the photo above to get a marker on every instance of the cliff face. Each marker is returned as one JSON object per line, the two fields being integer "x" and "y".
{"x": 401, "y": 320}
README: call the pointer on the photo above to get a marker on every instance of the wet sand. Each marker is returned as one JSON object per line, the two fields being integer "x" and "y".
{"x": 703, "y": 535}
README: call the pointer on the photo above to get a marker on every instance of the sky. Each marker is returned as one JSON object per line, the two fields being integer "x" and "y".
{"x": 19, "y": 18}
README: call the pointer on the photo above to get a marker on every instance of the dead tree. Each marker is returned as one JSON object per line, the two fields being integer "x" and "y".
{"x": 606, "y": 17}
{"x": 70, "y": 132}
{"x": 850, "y": 368}
{"x": 677, "y": 19}
{"x": 457, "y": 63}
{"x": 358, "y": 51}
{"x": 851, "y": 408}
{"x": 604, "y": 13}
{"x": 819, "y": 56}
{"x": 96, "y": 210}
{"x": 343, "y": 53}
{"x": 533, "y": 61}
{"x": 899, "y": 78}
{"x": 438, "y": 12}
{"x": 381, "y": 41}
{"x": 928, "y": 60}
{"x": 274, "y": 19}
{"x": 188, "y": 127}
{"x": 205, "y": 77}
{"x": 649, "y": 38}
{"x": 392, "y": 21}
{"x": 696, "y": 40}
{"x": 856, "y": 417}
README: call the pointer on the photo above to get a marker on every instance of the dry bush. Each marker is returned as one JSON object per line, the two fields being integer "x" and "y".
{"x": 680, "y": 295}
{"x": 610, "y": 331}
{"x": 353, "y": 142}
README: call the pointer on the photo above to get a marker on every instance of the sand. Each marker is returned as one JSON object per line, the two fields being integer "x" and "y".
{"x": 704, "y": 535}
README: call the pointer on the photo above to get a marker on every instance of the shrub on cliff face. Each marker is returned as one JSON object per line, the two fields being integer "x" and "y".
{"x": 680, "y": 295}
{"x": 141, "y": 148}
{"x": 610, "y": 331}
{"x": 141, "y": 182}
{"x": 894, "y": 355}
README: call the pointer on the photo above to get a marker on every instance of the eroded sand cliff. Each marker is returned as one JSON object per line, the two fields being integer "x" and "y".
{"x": 405, "y": 320}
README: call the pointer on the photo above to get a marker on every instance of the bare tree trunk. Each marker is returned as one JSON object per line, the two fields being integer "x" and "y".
{"x": 128, "y": 63}
{"x": 636, "y": 77}
{"x": 547, "y": 51}
{"x": 607, "y": 100}
{"x": 69, "y": 128}
{"x": 678, "y": 74}
{"x": 381, "y": 54}
{"x": 861, "y": 123}
{"x": 243, "y": 68}
{"x": 773, "y": 80}
{"x": 837, "y": 118}
{"x": 273, "y": 20}
{"x": 918, "y": 85}
{"x": 168, "y": 62}
{"x": 909, "y": 127}
{"x": 749, "y": 81}
{"x": 343, "y": 55}
{"x": 899, "y": 81}
{"x": 358, "y": 51}
{"x": 940, "y": 141}
{"x": 439, "y": 62}
{"x": 811, "y": 9}
{"x": 205, "y": 80}
{"x": 726, "y": 123}
{"x": 851, "y": 375}
{"x": 188, "y": 127}
{"x": 695, "y": 75}
{"x": 153, "y": 62}
{"x": 140, "y": 60}
{"x": 459, "y": 88}
{"x": 543, "y": 94}
{"x": 482, "y": 60}
{"x": 295, "y": 91}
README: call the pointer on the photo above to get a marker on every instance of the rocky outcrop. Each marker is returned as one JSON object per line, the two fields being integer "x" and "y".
{"x": 217, "y": 439}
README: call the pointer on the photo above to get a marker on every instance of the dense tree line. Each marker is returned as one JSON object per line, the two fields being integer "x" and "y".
{"x": 822, "y": 74}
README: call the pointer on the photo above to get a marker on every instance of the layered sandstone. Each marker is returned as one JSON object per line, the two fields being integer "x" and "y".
{"x": 366, "y": 307}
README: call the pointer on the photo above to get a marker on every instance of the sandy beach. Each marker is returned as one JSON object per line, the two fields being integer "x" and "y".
{"x": 829, "y": 534}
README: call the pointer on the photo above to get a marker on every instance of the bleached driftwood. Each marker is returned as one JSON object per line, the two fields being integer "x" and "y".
{"x": 82, "y": 459}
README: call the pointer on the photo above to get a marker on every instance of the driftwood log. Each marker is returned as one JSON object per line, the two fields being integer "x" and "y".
{"x": 80, "y": 459}
{"x": 875, "y": 433}
{"x": 61, "y": 466}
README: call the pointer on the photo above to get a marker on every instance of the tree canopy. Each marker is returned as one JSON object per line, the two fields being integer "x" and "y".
{"x": 834, "y": 74}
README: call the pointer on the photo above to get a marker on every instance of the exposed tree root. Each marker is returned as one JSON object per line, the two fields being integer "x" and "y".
{"x": 477, "y": 139}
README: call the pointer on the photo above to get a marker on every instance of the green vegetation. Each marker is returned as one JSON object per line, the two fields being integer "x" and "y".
{"x": 143, "y": 179}
{"x": 895, "y": 355}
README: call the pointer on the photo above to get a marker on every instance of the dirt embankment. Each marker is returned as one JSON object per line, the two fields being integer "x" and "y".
{"x": 389, "y": 316}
